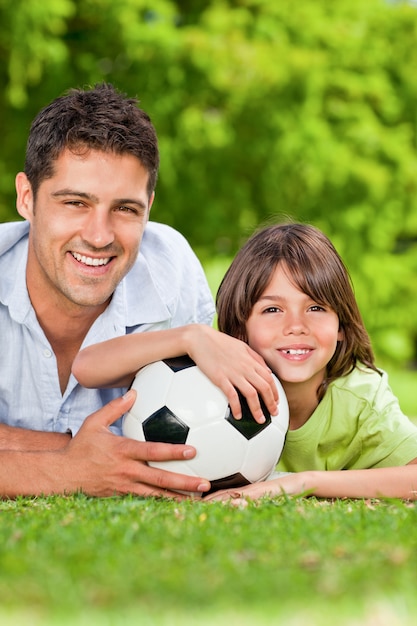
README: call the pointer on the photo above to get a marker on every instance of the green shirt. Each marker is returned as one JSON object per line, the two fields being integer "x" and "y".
{"x": 357, "y": 425}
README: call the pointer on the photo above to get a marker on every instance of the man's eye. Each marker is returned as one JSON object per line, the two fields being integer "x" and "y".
{"x": 75, "y": 203}
{"x": 127, "y": 209}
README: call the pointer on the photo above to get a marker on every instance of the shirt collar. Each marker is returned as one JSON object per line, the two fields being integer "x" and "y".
{"x": 136, "y": 300}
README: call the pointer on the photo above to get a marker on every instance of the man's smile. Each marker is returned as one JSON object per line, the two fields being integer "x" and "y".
{"x": 92, "y": 261}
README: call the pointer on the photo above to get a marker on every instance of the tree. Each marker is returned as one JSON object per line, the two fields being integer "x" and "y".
{"x": 263, "y": 110}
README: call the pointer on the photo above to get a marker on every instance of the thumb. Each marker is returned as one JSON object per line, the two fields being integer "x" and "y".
{"x": 111, "y": 412}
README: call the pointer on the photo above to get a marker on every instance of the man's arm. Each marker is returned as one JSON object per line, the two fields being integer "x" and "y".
{"x": 96, "y": 462}
{"x": 20, "y": 439}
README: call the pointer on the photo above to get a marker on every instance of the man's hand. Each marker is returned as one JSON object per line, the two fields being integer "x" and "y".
{"x": 103, "y": 464}
{"x": 98, "y": 463}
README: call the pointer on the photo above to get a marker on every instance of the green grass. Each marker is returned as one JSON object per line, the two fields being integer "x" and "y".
{"x": 127, "y": 561}
{"x": 404, "y": 384}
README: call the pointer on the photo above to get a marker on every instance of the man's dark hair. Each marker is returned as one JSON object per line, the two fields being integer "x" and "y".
{"x": 101, "y": 118}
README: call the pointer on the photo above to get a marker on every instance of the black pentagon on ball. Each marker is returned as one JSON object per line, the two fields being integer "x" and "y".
{"x": 228, "y": 482}
{"x": 247, "y": 425}
{"x": 164, "y": 426}
{"x": 178, "y": 363}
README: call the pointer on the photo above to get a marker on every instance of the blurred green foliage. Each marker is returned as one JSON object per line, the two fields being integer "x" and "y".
{"x": 298, "y": 108}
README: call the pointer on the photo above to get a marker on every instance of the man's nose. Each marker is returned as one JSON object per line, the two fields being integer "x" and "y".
{"x": 98, "y": 229}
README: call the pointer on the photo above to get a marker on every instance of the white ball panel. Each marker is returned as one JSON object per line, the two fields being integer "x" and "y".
{"x": 152, "y": 385}
{"x": 281, "y": 420}
{"x": 195, "y": 399}
{"x": 132, "y": 427}
{"x": 263, "y": 453}
{"x": 179, "y": 467}
{"x": 220, "y": 450}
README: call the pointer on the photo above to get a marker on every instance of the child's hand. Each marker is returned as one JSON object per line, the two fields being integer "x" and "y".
{"x": 286, "y": 484}
{"x": 231, "y": 364}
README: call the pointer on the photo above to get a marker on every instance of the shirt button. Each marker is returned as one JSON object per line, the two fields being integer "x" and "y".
{"x": 47, "y": 353}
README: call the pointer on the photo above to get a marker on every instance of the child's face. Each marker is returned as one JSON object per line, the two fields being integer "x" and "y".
{"x": 296, "y": 336}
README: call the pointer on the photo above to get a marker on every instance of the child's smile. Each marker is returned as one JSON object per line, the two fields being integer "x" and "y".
{"x": 296, "y": 335}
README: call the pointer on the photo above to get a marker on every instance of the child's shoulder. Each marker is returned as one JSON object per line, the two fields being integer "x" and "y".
{"x": 364, "y": 383}
{"x": 361, "y": 375}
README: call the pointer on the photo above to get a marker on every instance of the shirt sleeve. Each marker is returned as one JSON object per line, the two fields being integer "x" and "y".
{"x": 387, "y": 436}
{"x": 357, "y": 425}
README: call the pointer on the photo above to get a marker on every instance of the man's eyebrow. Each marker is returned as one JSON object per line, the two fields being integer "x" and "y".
{"x": 74, "y": 192}
{"x": 92, "y": 197}
{"x": 136, "y": 201}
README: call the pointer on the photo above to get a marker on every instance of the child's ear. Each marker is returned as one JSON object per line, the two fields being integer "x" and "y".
{"x": 340, "y": 334}
{"x": 24, "y": 199}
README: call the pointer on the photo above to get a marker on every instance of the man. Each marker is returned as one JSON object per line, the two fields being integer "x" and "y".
{"x": 85, "y": 266}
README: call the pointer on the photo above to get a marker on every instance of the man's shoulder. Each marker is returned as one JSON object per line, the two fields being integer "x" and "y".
{"x": 165, "y": 260}
{"x": 165, "y": 249}
{"x": 159, "y": 236}
{"x": 167, "y": 280}
{"x": 11, "y": 233}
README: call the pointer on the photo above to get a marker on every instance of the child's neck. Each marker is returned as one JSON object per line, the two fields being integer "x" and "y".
{"x": 302, "y": 402}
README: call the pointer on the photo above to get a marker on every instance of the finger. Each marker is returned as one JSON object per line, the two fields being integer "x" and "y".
{"x": 259, "y": 384}
{"x": 262, "y": 385}
{"x": 149, "y": 451}
{"x": 228, "y": 497}
{"x": 160, "y": 480}
{"x": 250, "y": 395}
{"x": 264, "y": 382}
{"x": 112, "y": 411}
{"x": 234, "y": 402}
{"x": 146, "y": 491}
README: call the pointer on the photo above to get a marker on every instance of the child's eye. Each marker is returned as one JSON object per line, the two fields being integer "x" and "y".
{"x": 317, "y": 307}
{"x": 272, "y": 309}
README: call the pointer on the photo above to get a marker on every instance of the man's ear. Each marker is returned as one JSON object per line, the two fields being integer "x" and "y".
{"x": 24, "y": 199}
{"x": 151, "y": 199}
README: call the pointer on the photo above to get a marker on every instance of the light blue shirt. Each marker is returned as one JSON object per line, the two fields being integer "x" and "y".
{"x": 165, "y": 288}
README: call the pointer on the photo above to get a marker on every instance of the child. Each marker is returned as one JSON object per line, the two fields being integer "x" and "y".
{"x": 287, "y": 297}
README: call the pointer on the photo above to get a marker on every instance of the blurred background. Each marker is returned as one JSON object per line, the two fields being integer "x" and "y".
{"x": 301, "y": 109}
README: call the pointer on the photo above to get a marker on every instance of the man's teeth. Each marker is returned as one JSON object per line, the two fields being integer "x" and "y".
{"x": 88, "y": 260}
{"x": 295, "y": 352}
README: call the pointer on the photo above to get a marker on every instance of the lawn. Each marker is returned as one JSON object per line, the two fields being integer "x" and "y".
{"x": 131, "y": 561}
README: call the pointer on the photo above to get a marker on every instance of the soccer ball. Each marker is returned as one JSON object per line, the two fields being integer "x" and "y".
{"x": 177, "y": 403}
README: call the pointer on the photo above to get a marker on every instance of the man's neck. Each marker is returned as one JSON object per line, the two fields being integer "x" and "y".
{"x": 65, "y": 331}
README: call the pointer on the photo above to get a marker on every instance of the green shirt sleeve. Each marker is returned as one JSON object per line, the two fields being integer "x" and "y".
{"x": 357, "y": 425}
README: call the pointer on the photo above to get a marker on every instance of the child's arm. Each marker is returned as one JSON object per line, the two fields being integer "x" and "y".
{"x": 230, "y": 363}
{"x": 387, "y": 482}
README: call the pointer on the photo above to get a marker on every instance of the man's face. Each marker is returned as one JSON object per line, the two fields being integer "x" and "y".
{"x": 86, "y": 227}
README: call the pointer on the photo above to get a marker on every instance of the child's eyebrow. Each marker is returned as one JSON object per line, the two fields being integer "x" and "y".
{"x": 272, "y": 298}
